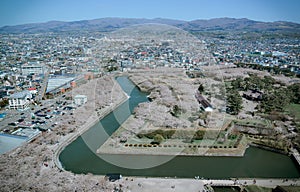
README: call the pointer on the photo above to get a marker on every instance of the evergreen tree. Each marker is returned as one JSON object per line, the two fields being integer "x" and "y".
{"x": 234, "y": 102}
{"x": 238, "y": 83}
{"x": 276, "y": 100}
{"x": 295, "y": 89}
{"x": 201, "y": 88}
{"x": 176, "y": 111}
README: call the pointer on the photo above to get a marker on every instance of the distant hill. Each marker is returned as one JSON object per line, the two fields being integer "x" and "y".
{"x": 243, "y": 24}
{"x": 103, "y": 24}
{"x": 110, "y": 24}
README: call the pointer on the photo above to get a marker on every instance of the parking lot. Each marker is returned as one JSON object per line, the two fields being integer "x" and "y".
{"x": 30, "y": 122}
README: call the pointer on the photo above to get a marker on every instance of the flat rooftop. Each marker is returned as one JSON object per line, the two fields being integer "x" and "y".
{"x": 29, "y": 133}
{"x": 20, "y": 95}
{"x": 10, "y": 142}
{"x": 57, "y": 82}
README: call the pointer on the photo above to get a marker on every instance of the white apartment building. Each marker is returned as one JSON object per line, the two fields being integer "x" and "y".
{"x": 20, "y": 100}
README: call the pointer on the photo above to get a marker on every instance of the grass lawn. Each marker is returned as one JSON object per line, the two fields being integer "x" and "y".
{"x": 294, "y": 111}
{"x": 291, "y": 188}
{"x": 254, "y": 122}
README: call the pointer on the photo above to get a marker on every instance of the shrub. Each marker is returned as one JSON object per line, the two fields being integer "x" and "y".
{"x": 166, "y": 134}
{"x": 158, "y": 138}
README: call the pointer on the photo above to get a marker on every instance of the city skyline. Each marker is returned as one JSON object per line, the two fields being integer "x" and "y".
{"x": 15, "y": 12}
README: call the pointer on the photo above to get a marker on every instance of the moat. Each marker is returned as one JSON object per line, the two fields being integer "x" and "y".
{"x": 80, "y": 156}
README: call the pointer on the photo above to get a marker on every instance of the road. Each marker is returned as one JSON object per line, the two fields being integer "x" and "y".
{"x": 271, "y": 183}
{"x": 43, "y": 87}
{"x": 137, "y": 184}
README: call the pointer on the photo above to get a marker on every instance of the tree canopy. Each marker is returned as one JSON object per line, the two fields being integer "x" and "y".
{"x": 274, "y": 98}
{"x": 234, "y": 101}
{"x": 295, "y": 89}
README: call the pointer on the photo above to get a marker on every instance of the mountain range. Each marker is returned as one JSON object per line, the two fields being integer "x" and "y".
{"x": 110, "y": 24}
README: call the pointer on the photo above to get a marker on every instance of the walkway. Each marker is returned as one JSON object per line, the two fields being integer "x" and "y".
{"x": 296, "y": 155}
{"x": 271, "y": 183}
{"x": 135, "y": 184}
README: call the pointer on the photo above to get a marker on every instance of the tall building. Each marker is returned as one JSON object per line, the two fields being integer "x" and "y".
{"x": 20, "y": 100}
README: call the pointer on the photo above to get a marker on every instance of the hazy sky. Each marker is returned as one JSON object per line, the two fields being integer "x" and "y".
{"x": 14, "y": 12}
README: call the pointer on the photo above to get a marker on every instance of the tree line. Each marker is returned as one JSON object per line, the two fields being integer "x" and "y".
{"x": 274, "y": 69}
{"x": 275, "y": 95}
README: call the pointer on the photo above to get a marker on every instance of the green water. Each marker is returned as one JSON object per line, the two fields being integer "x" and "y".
{"x": 80, "y": 156}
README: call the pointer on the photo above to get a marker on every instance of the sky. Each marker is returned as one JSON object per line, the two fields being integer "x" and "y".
{"x": 14, "y": 12}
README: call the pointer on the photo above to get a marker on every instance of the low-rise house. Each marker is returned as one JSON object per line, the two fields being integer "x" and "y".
{"x": 253, "y": 95}
{"x": 32, "y": 90}
{"x": 20, "y": 100}
{"x": 80, "y": 99}
{"x": 205, "y": 104}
